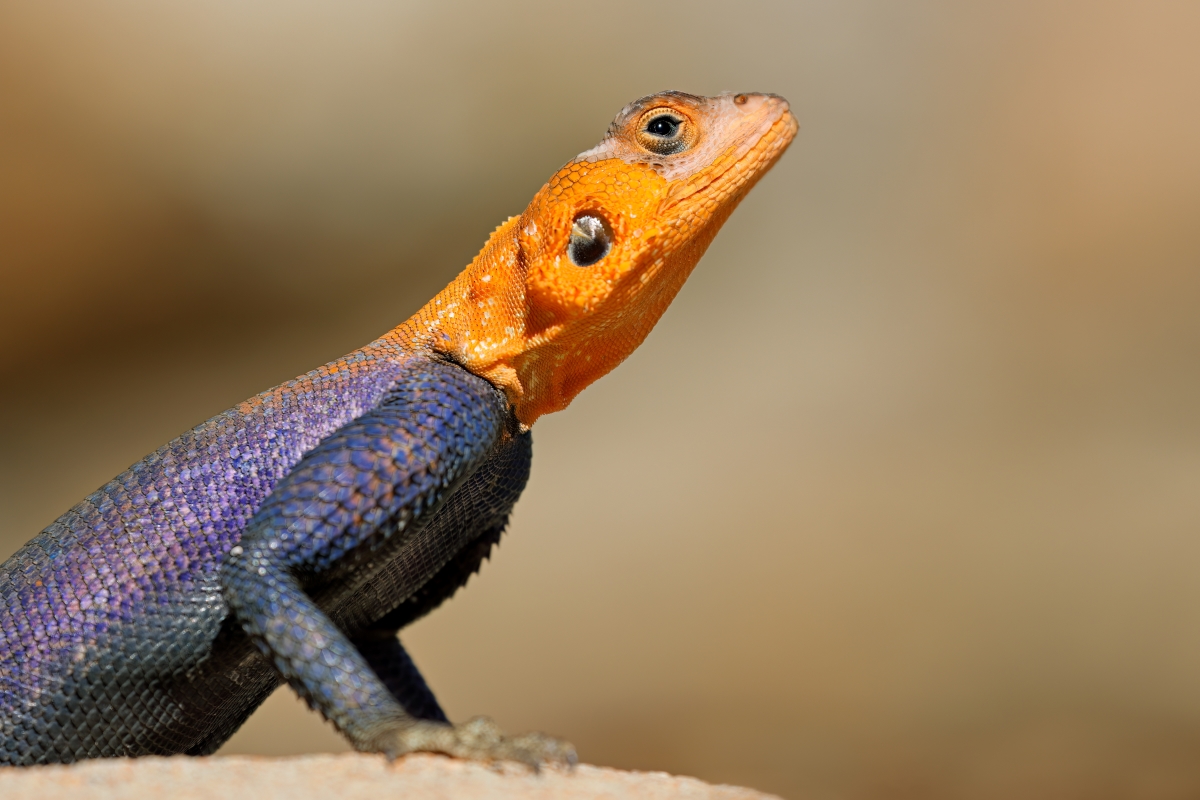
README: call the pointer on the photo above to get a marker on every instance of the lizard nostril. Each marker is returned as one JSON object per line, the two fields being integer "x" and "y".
{"x": 740, "y": 99}
{"x": 591, "y": 239}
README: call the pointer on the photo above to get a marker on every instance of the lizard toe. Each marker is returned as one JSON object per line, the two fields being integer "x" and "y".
{"x": 478, "y": 739}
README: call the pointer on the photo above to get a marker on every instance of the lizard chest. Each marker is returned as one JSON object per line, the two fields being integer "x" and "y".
{"x": 411, "y": 575}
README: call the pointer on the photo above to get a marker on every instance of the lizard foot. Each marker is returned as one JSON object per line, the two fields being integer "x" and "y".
{"x": 478, "y": 739}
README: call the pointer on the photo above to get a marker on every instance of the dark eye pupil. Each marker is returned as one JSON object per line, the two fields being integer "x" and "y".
{"x": 662, "y": 126}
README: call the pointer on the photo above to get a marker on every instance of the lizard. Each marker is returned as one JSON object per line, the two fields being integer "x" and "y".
{"x": 291, "y": 537}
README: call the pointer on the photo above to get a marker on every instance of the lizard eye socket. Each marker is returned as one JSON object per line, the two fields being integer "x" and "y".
{"x": 665, "y": 132}
{"x": 591, "y": 239}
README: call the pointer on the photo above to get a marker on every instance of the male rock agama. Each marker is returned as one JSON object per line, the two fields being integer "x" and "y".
{"x": 290, "y": 537}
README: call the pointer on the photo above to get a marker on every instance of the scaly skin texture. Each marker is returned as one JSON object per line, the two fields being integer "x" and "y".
{"x": 291, "y": 537}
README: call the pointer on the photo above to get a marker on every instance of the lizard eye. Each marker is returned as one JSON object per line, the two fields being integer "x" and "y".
{"x": 591, "y": 239}
{"x": 664, "y": 132}
{"x": 663, "y": 126}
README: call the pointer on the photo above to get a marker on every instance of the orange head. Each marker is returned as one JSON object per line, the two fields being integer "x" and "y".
{"x": 563, "y": 293}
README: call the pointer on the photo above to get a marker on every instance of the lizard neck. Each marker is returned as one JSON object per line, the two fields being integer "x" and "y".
{"x": 541, "y": 328}
{"x": 479, "y": 318}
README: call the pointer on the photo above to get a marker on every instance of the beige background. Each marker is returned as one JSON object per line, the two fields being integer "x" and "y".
{"x": 901, "y": 497}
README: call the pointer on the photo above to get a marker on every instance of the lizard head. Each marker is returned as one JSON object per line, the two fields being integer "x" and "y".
{"x": 563, "y": 293}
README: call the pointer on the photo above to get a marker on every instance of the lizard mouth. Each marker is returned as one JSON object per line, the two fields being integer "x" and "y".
{"x": 745, "y": 161}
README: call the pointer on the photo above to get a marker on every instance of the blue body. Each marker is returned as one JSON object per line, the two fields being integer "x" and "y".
{"x": 287, "y": 538}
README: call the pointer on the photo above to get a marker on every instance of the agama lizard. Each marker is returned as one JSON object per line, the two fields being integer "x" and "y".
{"x": 291, "y": 537}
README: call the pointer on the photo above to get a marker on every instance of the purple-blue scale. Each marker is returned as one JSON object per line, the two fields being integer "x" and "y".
{"x": 364, "y": 492}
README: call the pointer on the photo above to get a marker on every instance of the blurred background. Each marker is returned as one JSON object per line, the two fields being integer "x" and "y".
{"x": 900, "y": 499}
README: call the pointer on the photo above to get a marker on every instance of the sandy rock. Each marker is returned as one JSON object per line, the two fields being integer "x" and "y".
{"x": 347, "y": 776}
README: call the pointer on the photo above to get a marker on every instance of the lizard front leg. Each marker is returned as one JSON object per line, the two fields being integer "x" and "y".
{"x": 391, "y": 664}
{"x": 359, "y": 497}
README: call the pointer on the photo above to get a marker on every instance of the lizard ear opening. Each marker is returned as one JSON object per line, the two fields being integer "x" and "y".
{"x": 591, "y": 239}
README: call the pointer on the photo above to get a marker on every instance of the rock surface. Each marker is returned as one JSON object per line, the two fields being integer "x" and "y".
{"x": 347, "y": 776}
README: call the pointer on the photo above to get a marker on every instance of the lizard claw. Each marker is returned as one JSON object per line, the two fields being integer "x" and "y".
{"x": 478, "y": 739}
